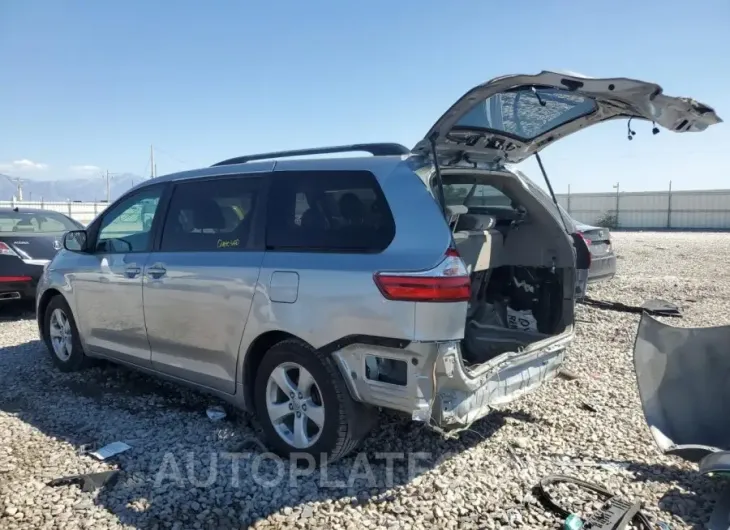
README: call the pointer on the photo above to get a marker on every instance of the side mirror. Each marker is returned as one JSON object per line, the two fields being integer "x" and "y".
{"x": 75, "y": 241}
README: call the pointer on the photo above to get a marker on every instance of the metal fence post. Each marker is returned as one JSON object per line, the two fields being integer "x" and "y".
{"x": 69, "y": 208}
{"x": 669, "y": 206}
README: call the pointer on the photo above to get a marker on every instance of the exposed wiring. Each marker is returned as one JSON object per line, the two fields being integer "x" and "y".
{"x": 638, "y": 518}
{"x": 631, "y": 133}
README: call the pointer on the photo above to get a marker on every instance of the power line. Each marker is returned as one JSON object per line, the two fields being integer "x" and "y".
{"x": 175, "y": 158}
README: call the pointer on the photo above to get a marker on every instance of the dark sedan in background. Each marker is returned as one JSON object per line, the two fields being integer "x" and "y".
{"x": 603, "y": 258}
{"x": 29, "y": 238}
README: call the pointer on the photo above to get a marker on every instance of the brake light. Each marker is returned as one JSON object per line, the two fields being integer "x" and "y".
{"x": 588, "y": 247}
{"x": 447, "y": 282}
{"x": 10, "y": 279}
{"x": 5, "y": 250}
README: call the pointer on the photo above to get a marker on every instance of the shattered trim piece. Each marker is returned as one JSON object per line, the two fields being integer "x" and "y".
{"x": 88, "y": 482}
{"x": 110, "y": 450}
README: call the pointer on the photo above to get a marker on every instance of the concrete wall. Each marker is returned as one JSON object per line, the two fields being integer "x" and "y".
{"x": 708, "y": 209}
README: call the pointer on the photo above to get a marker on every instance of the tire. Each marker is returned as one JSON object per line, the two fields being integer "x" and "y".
{"x": 67, "y": 361}
{"x": 345, "y": 423}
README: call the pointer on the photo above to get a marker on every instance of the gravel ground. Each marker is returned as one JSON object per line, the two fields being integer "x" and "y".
{"x": 179, "y": 472}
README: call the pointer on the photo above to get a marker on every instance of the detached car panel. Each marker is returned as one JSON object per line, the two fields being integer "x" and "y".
{"x": 682, "y": 375}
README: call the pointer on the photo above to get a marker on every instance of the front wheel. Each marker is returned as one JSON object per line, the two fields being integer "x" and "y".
{"x": 62, "y": 336}
{"x": 303, "y": 404}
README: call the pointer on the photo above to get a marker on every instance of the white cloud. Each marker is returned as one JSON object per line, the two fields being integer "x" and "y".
{"x": 85, "y": 169}
{"x": 23, "y": 166}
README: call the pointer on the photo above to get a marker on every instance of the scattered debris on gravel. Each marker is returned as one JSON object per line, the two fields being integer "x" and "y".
{"x": 184, "y": 470}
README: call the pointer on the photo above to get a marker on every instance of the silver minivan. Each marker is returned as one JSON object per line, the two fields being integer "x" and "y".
{"x": 433, "y": 281}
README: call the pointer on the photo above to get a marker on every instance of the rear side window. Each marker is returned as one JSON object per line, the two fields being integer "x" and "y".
{"x": 475, "y": 195}
{"x": 36, "y": 222}
{"x": 328, "y": 211}
{"x": 211, "y": 215}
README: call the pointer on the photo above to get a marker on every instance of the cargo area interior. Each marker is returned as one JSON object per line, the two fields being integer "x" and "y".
{"x": 520, "y": 261}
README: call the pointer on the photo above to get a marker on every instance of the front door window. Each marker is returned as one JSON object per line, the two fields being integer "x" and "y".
{"x": 127, "y": 227}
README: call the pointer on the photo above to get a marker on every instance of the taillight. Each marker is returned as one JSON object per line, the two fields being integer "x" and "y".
{"x": 5, "y": 250}
{"x": 12, "y": 279}
{"x": 587, "y": 242}
{"x": 447, "y": 282}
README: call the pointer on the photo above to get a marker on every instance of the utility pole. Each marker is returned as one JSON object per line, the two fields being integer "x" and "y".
{"x": 153, "y": 168}
{"x": 569, "y": 199}
{"x": 108, "y": 187}
{"x": 108, "y": 177}
{"x": 669, "y": 206}
{"x": 617, "y": 201}
{"x": 18, "y": 186}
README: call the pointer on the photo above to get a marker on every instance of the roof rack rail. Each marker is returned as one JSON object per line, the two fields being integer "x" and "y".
{"x": 386, "y": 149}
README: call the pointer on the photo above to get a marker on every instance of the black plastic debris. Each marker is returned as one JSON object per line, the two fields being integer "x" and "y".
{"x": 655, "y": 307}
{"x": 88, "y": 482}
{"x": 616, "y": 513}
{"x": 661, "y": 307}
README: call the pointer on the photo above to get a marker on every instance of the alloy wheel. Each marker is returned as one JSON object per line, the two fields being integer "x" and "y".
{"x": 61, "y": 335}
{"x": 294, "y": 404}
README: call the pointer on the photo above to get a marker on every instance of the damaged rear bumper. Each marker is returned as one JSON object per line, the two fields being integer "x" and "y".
{"x": 434, "y": 386}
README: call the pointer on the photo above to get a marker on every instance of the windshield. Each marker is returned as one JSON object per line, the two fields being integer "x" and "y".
{"x": 36, "y": 222}
{"x": 527, "y": 112}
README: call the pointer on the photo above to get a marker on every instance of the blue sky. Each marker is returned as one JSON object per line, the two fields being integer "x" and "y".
{"x": 90, "y": 84}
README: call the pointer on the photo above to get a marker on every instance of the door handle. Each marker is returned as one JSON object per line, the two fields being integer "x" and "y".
{"x": 132, "y": 271}
{"x": 156, "y": 271}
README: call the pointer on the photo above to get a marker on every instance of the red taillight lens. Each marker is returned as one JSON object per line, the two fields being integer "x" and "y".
{"x": 11, "y": 279}
{"x": 5, "y": 250}
{"x": 424, "y": 289}
{"x": 447, "y": 282}
{"x": 588, "y": 247}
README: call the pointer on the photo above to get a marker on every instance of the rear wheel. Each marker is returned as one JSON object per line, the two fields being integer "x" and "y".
{"x": 62, "y": 336}
{"x": 303, "y": 404}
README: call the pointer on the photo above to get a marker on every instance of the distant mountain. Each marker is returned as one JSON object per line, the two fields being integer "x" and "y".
{"x": 78, "y": 189}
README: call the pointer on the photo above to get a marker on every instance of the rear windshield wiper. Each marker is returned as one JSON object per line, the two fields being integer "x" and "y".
{"x": 537, "y": 95}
